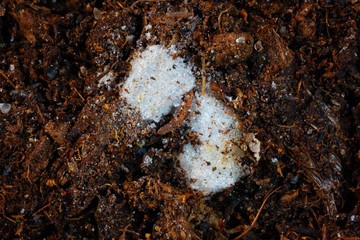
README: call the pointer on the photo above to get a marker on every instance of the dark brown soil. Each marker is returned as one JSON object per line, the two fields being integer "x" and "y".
{"x": 71, "y": 161}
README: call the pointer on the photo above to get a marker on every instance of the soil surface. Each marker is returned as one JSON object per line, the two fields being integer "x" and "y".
{"x": 72, "y": 159}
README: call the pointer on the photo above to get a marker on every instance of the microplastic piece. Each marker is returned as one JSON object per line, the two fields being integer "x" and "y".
{"x": 215, "y": 164}
{"x": 5, "y": 108}
{"x": 157, "y": 82}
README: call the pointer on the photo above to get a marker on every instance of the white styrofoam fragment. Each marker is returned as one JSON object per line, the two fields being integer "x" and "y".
{"x": 254, "y": 145}
{"x": 214, "y": 121}
{"x": 214, "y": 164}
{"x": 157, "y": 82}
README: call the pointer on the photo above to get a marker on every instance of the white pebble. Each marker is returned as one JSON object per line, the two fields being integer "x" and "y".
{"x": 240, "y": 40}
{"x": 5, "y": 108}
{"x": 148, "y": 160}
{"x": 254, "y": 145}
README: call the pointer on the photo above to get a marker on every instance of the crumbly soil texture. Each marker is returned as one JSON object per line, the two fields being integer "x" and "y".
{"x": 75, "y": 163}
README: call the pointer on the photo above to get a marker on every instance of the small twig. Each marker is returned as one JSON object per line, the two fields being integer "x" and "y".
{"x": 28, "y": 174}
{"x": 2, "y": 203}
{"x": 126, "y": 230}
{"x": 47, "y": 205}
{"x": 114, "y": 64}
{"x": 120, "y": 5}
{"x": 41, "y": 116}
{"x": 8, "y": 79}
{"x": 11, "y": 220}
{"x": 75, "y": 89}
{"x": 20, "y": 161}
{"x": 48, "y": 216}
{"x": 203, "y": 76}
{"x": 82, "y": 98}
{"x": 3, "y": 208}
{"x": 257, "y": 215}
{"x": 37, "y": 7}
{"x": 324, "y": 237}
{"x": 172, "y": 40}
{"x": 179, "y": 117}
{"x": 327, "y": 23}
{"x": 219, "y": 18}
{"x": 179, "y": 15}
{"x": 126, "y": 40}
{"x": 97, "y": 78}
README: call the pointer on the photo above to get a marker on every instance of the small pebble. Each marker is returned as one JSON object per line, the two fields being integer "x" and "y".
{"x": 97, "y": 13}
{"x": 6, "y": 171}
{"x": 51, "y": 72}
{"x": 5, "y": 108}
{"x": 294, "y": 180}
{"x": 240, "y": 40}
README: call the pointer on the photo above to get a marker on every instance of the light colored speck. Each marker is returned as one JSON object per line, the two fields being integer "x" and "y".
{"x": 5, "y": 108}
{"x": 106, "y": 80}
{"x": 12, "y": 67}
{"x": 148, "y": 160}
{"x": 97, "y": 13}
{"x": 273, "y": 84}
{"x": 258, "y": 46}
{"x": 82, "y": 69}
{"x": 240, "y": 40}
{"x": 229, "y": 98}
{"x": 254, "y": 144}
{"x": 282, "y": 29}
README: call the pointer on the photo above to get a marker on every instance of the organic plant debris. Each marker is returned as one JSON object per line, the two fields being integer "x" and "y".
{"x": 76, "y": 162}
